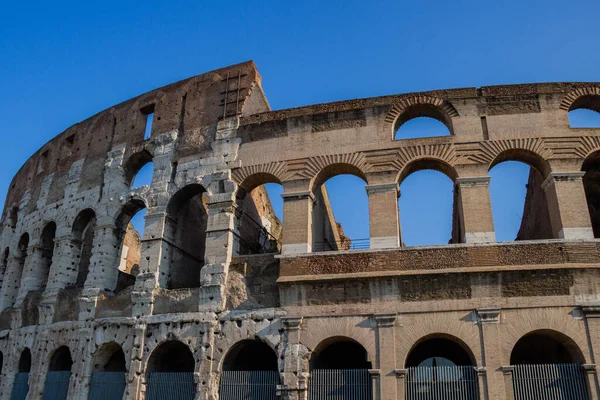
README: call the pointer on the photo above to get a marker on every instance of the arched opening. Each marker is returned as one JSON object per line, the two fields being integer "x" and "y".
{"x": 83, "y": 242}
{"x": 337, "y": 223}
{"x": 426, "y": 204}
{"x": 421, "y": 121}
{"x": 441, "y": 366}
{"x": 109, "y": 373}
{"x": 59, "y": 375}
{"x": 340, "y": 364}
{"x": 519, "y": 206}
{"x": 259, "y": 210}
{"x": 21, "y": 384}
{"x": 47, "y": 252}
{"x": 585, "y": 112}
{"x": 139, "y": 169}
{"x": 548, "y": 363}
{"x": 171, "y": 370}
{"x": 130, "y": 242}
{"x": 15, "y": 271}
{"x": 591, "y": 185}
{"x": 185, "y": 236}
{"x": 4, "y": 264}
{"x": 250, "y": 355}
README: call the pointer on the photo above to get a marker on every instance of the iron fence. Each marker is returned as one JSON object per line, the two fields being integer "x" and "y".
{"x": 20, "y": 386}
{"x": 549, "y": 382}
{"x": 57, "y": 385}
{"x": 107, "y": 386}
{"x": 442, "y": 383}
{"x": 171, "y": 386}
{"x": 350, "y": 244}
{"x": 248, "y": 385}
{"x": 340, "y": 384}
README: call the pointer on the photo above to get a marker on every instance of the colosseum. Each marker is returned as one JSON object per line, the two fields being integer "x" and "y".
{"x": 219, "y": 299}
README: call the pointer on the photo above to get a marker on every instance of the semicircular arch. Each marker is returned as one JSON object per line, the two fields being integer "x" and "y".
{"x": 427, "y": 163}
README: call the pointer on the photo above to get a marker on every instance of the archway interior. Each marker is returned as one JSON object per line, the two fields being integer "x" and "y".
{"x": 585, "y": 112}
{"x": 47, "y": 249}
{"x": 61, "y": 360}
{"x": 171, "y": 356}
{"x": 340, "y": 214}
{"x": 4, "y": 265}
{"x": 25, "y": 361}
{"x": 130, "y": 238}
{"x": 250, "y": 355}
{"x": 440, "y": 352}
{"x": 591, "y": 185}
{"x": 110, "y": 358}
{"x": 340, "y": 353}
{"x": 421, "y": 127}
{"x": 185, "y": 232}
{"x": 426, "y": 209}
{"x": 259, "y": 226}
{"x": 545, "y": 347}
{"x": 519, "y": 206}
{"x": 83, "y": 237}
{"x": 143, "y": 176}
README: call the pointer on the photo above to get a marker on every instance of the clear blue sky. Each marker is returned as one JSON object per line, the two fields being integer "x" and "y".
{"x": 61, "y": 62}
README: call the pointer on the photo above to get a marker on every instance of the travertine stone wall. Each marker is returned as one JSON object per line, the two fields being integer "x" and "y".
{"x": 214, "y": 142}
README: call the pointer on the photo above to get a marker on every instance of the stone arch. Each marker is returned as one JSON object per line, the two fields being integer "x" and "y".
{"x": 135, "y": 163}
{"x": 249, "y": 177}
{"x": 585, "y": 97}
{"x": 109, "y": 357}
{"x": 185, "y": 236}
{"x": 529, "y": 157}
{"x": 4, "y": 262}
{"x": 60, "y": 359}
{"x": 546, "y": 346}
{"x": 171, "y": 356}
{"x": 250, "y": 355}
{"x": 427, "y": 163}
{"x": 421, "y": 106}
{"x": 332, "y": 170}
{"x": 340, "y": 352}
{"x": 83, "y": 233}
{"x": 440, "y": 345}
{"x": 255, "y": 180}
{"x": 129, "y": 239}
{"x": 47, "y": 249}
{"x": 24, "y": 361}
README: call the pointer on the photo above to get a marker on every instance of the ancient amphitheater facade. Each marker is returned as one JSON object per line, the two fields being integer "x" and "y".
{"x": 218, "y": 299}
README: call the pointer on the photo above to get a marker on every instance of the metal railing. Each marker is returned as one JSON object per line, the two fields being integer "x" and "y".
{"x": 549, "y": 382}
{"x": 248, "y": 385}
{"x": 442, "y": 383}
{"x": 340, "y": 384}
{"x": 20, "y": 386}
{"x": 354, "y": 244}
{"x": 171, "y": 386}
{"x": 57, "y": 385}
{"x": 107, "y": 386}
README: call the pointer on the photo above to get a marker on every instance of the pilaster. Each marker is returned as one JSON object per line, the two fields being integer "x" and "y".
{"x": 489, "y": 324}
{"x": 386, "y": 357}
{"x": 475, "y": 209}
{"x": 297, "y": 217}
{"x": 384, "y": 217}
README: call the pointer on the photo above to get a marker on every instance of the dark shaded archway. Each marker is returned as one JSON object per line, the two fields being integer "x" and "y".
{"x": 110, "y": 358}
{"x": 591, "y": 185}
{"x": 439, "y": 350}
{"x": 25, "y": 361}
{"x": 546, "y": 347}
{"x": 61, "y": 360}
{"x": 171, "y": 370}
{"x": 47, "y": 249}
{"x": 340, "y": 353}
{"x": 250, "y": 355}
{"x": 83, "y": 238}
{"x": 171, "y": 356}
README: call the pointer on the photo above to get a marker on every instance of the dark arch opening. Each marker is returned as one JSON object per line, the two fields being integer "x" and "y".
{"x": 439, "y": 351}
{"x": 47, "y": 249}
{"x": 185, "y": 231}
{"x": 591, "y": 185}
{"x": 340, "y": 353}
{"x": 585, "y": 112}
{"x": 83, "y": 237}
{"x": 25, "y": 361}
{"x": 546, "y": 347}
{"x": 110, "y": 358}
{"x": 130, "y": 235}
{"x": 4, "y": 264}
{"x": 250, "y": 355}
{"x": 171, "y": 356}
{"x": 61, "y": 360}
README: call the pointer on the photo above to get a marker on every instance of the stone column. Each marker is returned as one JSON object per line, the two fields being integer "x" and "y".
{"x": 507, "y": 372}
{"x": 592, "y": 323}
{"x": 567, "y": 205}
{"x": 297, "y": 222}
{"x": 12, "y": 280}
{"x": 401, "y": 383}
{"x": 384, "y": 218}
{"x": 293, "y": 379}
{"x": 31, "y": 279}
{"x": 489, "y": 323}
{"x": 208, "y": 382}
{"x": 475, "y": 209}
{"x": 136, "y": 373}
{"x": 376, "y": 382}
{"x": 386, "y": 357}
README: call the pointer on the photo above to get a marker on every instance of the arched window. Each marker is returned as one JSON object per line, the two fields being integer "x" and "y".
{"x": 185, "y": 235}
{"x": 340, "y": 213}
{"x": 130, "y": 229}
{"x": 139, "y": 169}
{"x": 15, "y": 271}
{"x": 439, "y": 366}
{"x": 59, "y": 374}
{"x": 171, "y": 370}
{"x": 548, "y": 363}
{"x": 108, "y": 377}
{"x": 4, "y": 264}
{"x": 585, "y": 112}
{"x": 83, "y": 237}
{"x": 339, "y": 353}
{"x": 47, "y": 249}
{"x": 259, "y": 216}
{"x": 426, "y": 204}
{"x": 422, "y": 120}
{"x": 519, "y": 205}
{"x": 21, "y": 384}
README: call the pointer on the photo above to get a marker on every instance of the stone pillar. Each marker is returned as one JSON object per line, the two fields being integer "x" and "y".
{"x": 12, "y": 280}
{"x": 482, "y": 383}
{"x": 592, "y": 322}
{"x": 489, "y": 323}
{"x": 386, "y": 349}
{"x": 384, "y": 218}
{"x": 507, "y": 372}
{"x": 297, "y": 222}
{"x": 31, "y": 279}
{"x": 567, "y": 205}
{"x": 401, "y": 383}
{"x": 136, "y": 372}
{"x": 376, "y": 382}
{"x": 293, "y": 379}
{"x": 475, "y": 209}
{"x": 208, "y": 382}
